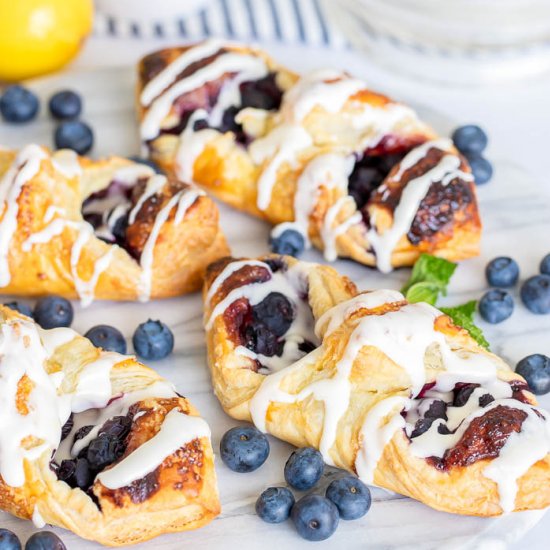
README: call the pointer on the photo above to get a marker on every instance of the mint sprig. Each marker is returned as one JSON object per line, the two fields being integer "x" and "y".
{"x": 429, "y": 280}
{"x": 463, "y": 316}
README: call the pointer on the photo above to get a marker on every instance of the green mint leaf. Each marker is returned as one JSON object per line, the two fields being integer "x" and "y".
{"x": 429, "y": 279}
{"x": 463, "y": 316}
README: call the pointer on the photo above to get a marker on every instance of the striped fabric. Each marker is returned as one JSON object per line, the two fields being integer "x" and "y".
{"x": 285, "y": 21}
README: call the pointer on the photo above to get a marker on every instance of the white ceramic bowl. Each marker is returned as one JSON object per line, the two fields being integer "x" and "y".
{"x": 457, "y": 41}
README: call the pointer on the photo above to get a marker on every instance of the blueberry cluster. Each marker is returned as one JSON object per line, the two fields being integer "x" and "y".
{"x": 471, "y": 141}
{"x": 244, "y": 449}
{"x": 19, "y": 104}
{"x": 497, "y": 304}
{"x": 438, "y": 409}
{"x": 44, "y": 540}
{"x": 263, "y": 331}
{"x": 102, "y": 451}
{"x": 152, "y": 340}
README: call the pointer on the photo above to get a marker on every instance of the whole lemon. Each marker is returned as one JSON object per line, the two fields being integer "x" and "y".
{"x": 40, "y": 36}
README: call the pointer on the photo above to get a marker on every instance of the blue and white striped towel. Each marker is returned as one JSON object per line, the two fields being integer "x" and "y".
{"x": 286, "y": 21}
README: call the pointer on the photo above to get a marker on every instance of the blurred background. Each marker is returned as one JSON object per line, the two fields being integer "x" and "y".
{"x": 465, "y": 42}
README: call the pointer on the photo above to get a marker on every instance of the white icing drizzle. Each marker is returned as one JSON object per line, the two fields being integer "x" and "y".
{"x": 404, "y": 336}
{"x": 225, "y": 63}
{"x": 25, "y": 166}
{"x": 331, "y": 171}
{"x": 291, "y": 284}
{"x": 86, "y": 289}
{"x": 411, "y": 197}
{"x": 66, "y": 162}
{"x": 69, "y": 448}
{"x": 54, "y": 228}
{"x": 373, "y": 437}
{"x": 51, "y": 211}
{"x": 37, "y": 518}
{"x": 169, "y": 74}
{"x": 282, "y": 145}
{"x": 191, "y": 145}
{"x": 54, "y": 338}
{"x": 129, "y": 174}
{"x": 335, "y": 317}
{"x": 188, "y": 197}
{"x": 521, "y": 451}
{"x": 177, "y": 430}
{"x": 227, "y": 271}
{"x": 330, "y": 232}
{"x": 328, "y": 89}
{"x": 153, "y": 186}
{"x": 24, "y": 349}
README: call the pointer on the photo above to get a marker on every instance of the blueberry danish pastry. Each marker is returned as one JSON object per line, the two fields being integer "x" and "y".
{"x": 109, "y": 229}
{"x": 357, "y": 174}
{"x": 95, "y": 442}
{"x": 389, "y": 390}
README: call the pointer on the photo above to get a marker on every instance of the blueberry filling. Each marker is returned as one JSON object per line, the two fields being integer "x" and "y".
{"x": 270, "y": 320}
{"x": 485, "y": 433}
{"x": 368, "y": 174}
{"x": 109, "y": 445}
{"x": 260, "y": 94}
{"x": 107, "y": 212}
{"x": 67, "y": 427}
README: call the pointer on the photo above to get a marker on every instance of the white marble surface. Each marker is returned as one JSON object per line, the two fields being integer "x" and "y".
{"x": 516, "y": 213}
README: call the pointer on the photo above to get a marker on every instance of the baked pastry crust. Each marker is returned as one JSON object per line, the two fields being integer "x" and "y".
{"x": 358, "y": 394}
{"x": 325, "y": 160}
{"x": 47, "y": 248}
{"x": 178, "y": 494}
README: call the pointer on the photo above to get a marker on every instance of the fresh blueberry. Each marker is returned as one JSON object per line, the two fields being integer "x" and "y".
{"x": 502, "y": 272}
{"x": 22, "y": 308}
{"x": 470, "y": 139}
{"x": 535, "y": 294}
{"x": 496, "y": 306}
{"x": 45, "y": 540}
{"x": 153, "y": 340}
{"x": 351, "y": 496}
{"x": 18, "y": 104}
{"x": 75, "y": 135}
{"x": 289, "y": 243}
{"x": 107, "y": 337}
{"x": 9, "y": 540}
{"x": 315, "y": 517}
{"x": 304, "y": 468}
{"x": 65, "y": 104}
{"x": 244, "y": 449}
{"x": 274, "y": 504}
{"x": 147, "y": 162}
{"x": 536, "y": 371}
{"x": 545, "y": 265}
{"x": 53, "y": 312}
{"x": 275, "y": 312}
{"x": 482, "y": 169}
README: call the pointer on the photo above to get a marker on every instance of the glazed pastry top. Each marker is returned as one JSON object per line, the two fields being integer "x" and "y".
{"x": 456, "y": 403}
{"x": 122, "y": 203}
{"x": 327, "y": 156}
{"x": 58, "y": 393}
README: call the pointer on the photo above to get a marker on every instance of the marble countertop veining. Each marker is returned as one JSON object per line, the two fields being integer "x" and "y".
{"x": 516, "y": 212}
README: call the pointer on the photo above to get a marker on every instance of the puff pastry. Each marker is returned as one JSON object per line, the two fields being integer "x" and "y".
{"x": 356, "y": 173}
{"x": 110, "y": 229}
{"x": 135, "y": 456}
{"x": 389, "y": 390}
